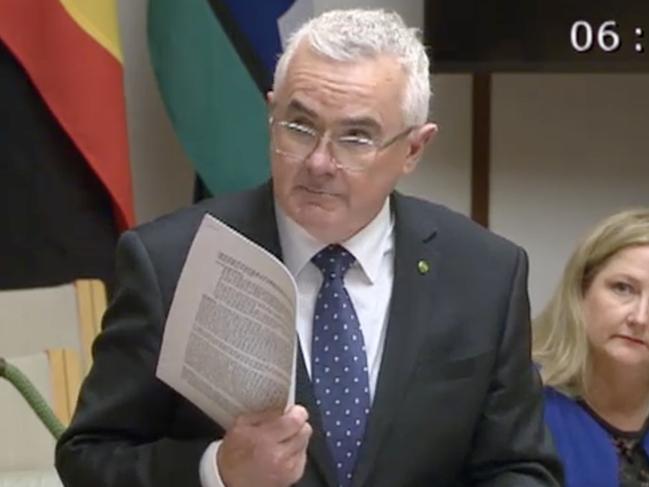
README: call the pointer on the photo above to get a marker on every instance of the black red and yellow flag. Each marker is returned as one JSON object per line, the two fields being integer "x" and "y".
{"x": 65, "y": 173}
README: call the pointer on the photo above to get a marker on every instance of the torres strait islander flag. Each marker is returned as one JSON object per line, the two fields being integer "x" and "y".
{"x": 214, "y": 62}
{"x": 65, "y": 172}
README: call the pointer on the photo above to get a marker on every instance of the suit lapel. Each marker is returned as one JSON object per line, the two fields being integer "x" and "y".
{"x": 257, "y": 221}
{"x": 411, "y": 308}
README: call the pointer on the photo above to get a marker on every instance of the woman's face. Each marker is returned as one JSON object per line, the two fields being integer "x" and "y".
{"x": 616, "y": 309}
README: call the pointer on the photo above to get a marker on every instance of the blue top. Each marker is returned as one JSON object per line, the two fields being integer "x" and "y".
{"x": 588, "y": 454}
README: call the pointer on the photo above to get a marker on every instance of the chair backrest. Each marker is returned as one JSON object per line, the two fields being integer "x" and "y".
{"x": 66, "y": 316}
{"x": 25, "y": 443}
{"x": 31, "y": 478}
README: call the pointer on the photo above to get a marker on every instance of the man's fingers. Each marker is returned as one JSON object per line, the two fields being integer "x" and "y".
{"x": 268, "y": 416}
{"x": 298, "y": 443}
{"x": 288, "y": 425}
{"x": 270, "y": 445}
{"x": 258, "y": 419}
{"x": 290, "y": 455}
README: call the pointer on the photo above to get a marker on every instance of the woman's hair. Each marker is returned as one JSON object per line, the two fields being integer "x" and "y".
{"x": 560, "y": 346}
{"x": 351, "y": 35}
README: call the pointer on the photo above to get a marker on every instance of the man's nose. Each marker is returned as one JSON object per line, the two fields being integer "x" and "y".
{"x": 321, "y": 160}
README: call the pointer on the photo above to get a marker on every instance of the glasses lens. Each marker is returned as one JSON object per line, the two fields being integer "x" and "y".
{"x": 297, "y": 142}
{"x": 294, "y": 140}
{"x": 351, "y": 154}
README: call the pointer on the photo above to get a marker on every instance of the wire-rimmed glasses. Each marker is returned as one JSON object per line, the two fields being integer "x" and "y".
{"x": 348, "y": 150}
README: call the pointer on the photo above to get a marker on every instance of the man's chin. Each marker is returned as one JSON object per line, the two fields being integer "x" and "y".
{"x": 318, "y": 215}
{"x": 325, "y": 224}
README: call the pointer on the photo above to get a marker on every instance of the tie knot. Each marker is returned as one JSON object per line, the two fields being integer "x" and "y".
{"x": 333, "y": 261}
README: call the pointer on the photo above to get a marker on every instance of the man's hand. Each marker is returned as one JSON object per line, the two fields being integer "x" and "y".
{"x": 265, "y": 449}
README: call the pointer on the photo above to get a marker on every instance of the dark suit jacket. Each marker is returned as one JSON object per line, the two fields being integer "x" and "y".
{"x": 457, "y": 400}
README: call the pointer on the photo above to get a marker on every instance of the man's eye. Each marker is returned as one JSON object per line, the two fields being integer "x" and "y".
{"x": 356, "y": 137}
{"x": 299, "y": 128}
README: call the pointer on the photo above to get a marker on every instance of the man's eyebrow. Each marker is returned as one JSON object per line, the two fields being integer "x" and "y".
{"x": 297, "y": 106}
{"x": 364, "y": 121}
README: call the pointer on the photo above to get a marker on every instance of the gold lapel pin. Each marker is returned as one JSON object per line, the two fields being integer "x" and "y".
{"x": 423, "y": 267}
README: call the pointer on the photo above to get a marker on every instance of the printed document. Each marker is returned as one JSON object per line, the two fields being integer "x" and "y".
{"x": 229, "y": 344}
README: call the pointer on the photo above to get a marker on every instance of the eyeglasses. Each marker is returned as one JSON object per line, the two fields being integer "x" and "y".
{"x": 351, "y": 150}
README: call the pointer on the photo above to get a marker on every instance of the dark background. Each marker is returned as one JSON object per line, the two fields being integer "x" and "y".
{"x": 532, "y": 35}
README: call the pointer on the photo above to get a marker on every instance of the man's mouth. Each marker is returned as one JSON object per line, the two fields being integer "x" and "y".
{"x": 318, "y": 191}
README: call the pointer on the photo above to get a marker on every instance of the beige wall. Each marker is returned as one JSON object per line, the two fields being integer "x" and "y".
{"x": 162, "y": 175}
{"x": 444, "y": 173}
{"x": 566, "y": 151}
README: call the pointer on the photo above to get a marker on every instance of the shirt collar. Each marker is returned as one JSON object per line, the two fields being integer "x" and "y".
{"x": 368, "y": 245}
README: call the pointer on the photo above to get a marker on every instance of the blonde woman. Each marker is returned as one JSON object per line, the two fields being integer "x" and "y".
{"x": 592, "y": 346}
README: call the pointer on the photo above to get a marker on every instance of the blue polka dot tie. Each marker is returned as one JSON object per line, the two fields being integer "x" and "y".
{"x": 339, "y": 363}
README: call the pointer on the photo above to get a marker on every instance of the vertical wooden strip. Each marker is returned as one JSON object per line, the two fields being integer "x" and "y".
{"x": 59, "y": 386}
{"x": 72, "y": 379}
{"x": 65, "y": 375}
{"x": 481, "y": 148}
{"x": 86, "y": 321}
{"x": 99, "y": 303}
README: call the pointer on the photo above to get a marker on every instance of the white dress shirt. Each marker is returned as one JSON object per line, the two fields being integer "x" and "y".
{"x": 369, "y": 284}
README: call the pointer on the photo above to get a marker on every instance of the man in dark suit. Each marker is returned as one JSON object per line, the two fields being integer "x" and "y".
{"x": 414, "y": 366}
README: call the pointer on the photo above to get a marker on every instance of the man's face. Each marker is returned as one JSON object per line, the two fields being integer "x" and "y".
{"x": 361, "y": 99}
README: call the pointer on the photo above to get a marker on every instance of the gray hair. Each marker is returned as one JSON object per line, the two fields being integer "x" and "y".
{"x": 349, "y": 35}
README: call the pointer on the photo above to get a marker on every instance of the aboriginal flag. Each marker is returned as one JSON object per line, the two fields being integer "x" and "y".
{"x": 65, "y": 176}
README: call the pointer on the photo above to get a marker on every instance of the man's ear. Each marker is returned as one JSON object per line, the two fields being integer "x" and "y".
{"x": 270, "y": 96}
{"x": 418, "y": 139}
